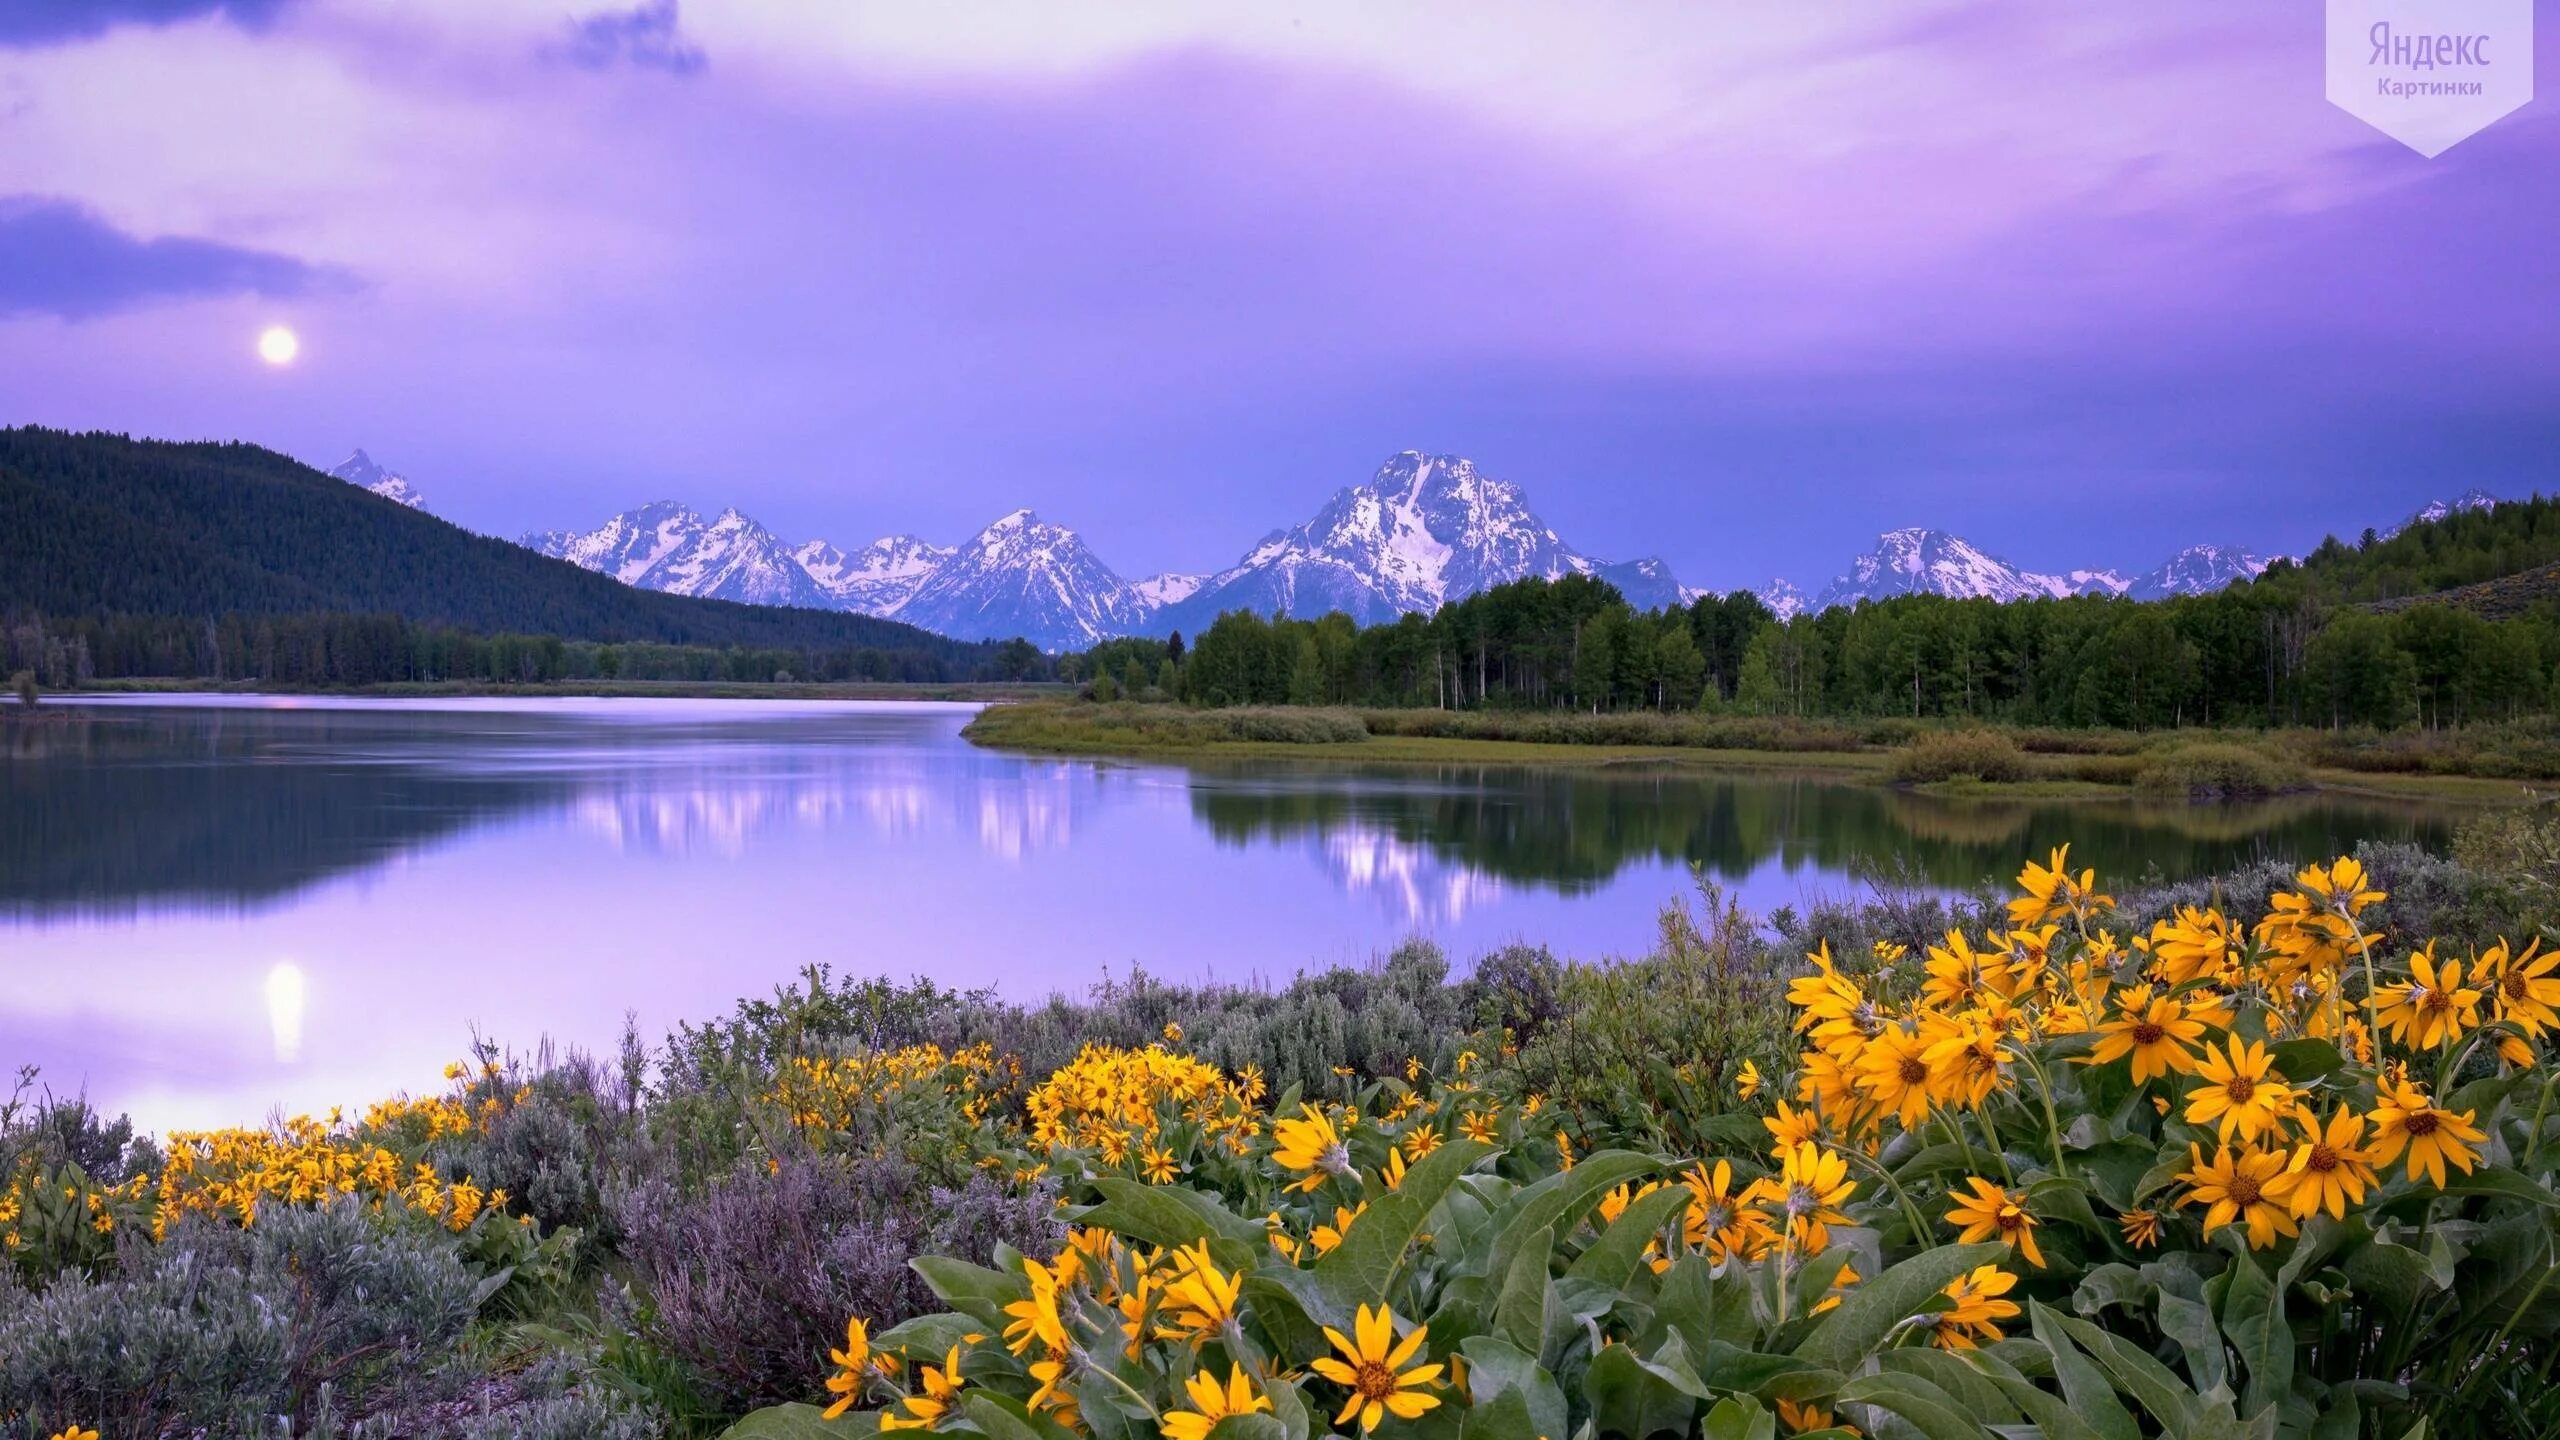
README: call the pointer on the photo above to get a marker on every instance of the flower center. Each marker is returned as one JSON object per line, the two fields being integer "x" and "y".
{"x": 2322, "y": 1158}
{"x": 2434, "y": 1001}
{"x": 1373, "y": 1380}
{"x": 2011, "y": 1218}
{"x": 2240, "y": 1088}
{"x": 2244, "y": 1191}
{"x": 2147, "y": 1033}
{"x": 2513, "y": 984}
{"x": 1913, "y": 1071}
{"x": 2420, "y": 1122}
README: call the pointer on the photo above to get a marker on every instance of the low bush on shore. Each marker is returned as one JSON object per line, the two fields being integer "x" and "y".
{"x": 1960, "y": 755}
{"x": 2251, "y": 1156}
{"x": 2216, "y": 772}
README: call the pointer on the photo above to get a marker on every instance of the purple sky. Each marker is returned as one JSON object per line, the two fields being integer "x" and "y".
{"x": 1735, "y": 283}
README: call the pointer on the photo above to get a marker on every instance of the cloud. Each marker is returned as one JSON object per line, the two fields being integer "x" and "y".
{"x": 645, "y": 35}
{"x": 55, "y": 22}
{"x": 57, "y": 258}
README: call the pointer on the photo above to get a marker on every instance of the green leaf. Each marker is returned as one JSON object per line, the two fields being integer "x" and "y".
{"x": 1634, "y": 1399}
{"x": 2253, "y": 1316}
{"x": 1174, "y": 1216}
{"x": 801, "y": 1422}
{"x": 1496, "y": 1368}
{"x": 1520, "y": 1312}
{"x": 1851, "y": 1332}
{"x": 973, "y": 1289}
{"x": 1506, "y": 1417}
{"x": 1705, "y": 1309}
{"x": 1236, "y": 1427}
{"x": 1362, "y": 1269}
{"x": 1734, "y": 1418}
{"x": 1002, "y": 1417}
{"x": 1971, "y": 1389}
{"x": 2302, "y": 1061}
{"x": 2084, "y": 1383}
{"x": 1559, "y": 1200}
{"x": 1615, "y": 1255}
{"x": 2190, "y": 1324}
{"x": 1928, "y": 1409}
{"x": 2136, "y": 1373}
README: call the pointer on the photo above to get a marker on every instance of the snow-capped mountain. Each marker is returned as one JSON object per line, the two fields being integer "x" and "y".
{"x": 2197, "y": 570}
{"x": 2471, "y": 499}
{"x": 1783, "y": 598}
{"x": 1424, "y": 530}
{"x": 1170, "y": 588}
{"x": 1023, "y": 576}
{"x": 876, "y": 579}
{"x": 1919, "y": 561}
{"x": 667, "y": 546}
{"x": 360, "y": 469}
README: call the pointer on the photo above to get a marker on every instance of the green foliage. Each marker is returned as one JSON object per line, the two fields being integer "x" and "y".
{"x": 2216, "y": 772}
{"x": 1960, "y": 754}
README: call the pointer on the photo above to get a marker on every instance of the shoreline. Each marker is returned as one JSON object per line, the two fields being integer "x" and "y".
{"x": 971, "y": 691}
{"x": 1088, "y": 737}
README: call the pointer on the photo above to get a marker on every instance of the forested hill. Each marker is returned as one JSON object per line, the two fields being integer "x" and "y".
{"x": 99, "y": 524}
{"x": 2466, "y": 547}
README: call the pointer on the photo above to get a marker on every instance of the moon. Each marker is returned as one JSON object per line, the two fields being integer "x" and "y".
{"x": 278, "y": 345}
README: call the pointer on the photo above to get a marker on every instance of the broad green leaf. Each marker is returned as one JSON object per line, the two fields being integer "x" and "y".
{"x": 2302, "y": 1061}
{"x": 2253, "y": 1317}
{"x": 1495, "y": 1368}
{"x": 1520, "y": 1312}
{"x": 1633, "y": 1399}
{"x": 2084, "y": 1383}
{"x": 1237, "y": 1427}
{"x": 1559, "y": 1200}
{"x": 2190, "y": 1324}
{"x": 1615, "y": 1255}
{"x": 1848, "y": 1334}
{"x": 1734, "y": 1418}
{"x": 1704, "y": 1307}
{"x": 1925, "y": 1407}
{"x": 974, "y": 1289}
{"x": 1506, "y": 1417}
{"x": 1362, "y": 1269}
{"x": 1173, "y": 1216}
{"x": 801, "y": 1422}
{"x": 1004, "y": 1418}
{"x": 1971, "y": 1389}
{"x": 2135, "y": 1372}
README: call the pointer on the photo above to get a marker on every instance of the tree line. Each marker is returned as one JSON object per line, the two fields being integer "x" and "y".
{"x": 328, "y": 650}
{"x": 2301, "y": 644}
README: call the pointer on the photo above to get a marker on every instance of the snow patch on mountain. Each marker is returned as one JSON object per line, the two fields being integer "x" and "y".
{"x": 2471, "y": 499}
{"x": 1170, "y": 588}
{"x": 875, "y": 580}
{"x": 2198, "y": 570}
{"x": 359, "y": 469}
{"x": 1425, "y": 530}
{"x": 667, "y": 546}
{"x": 1023, "y": 576}
{"x": 1783, "y": 598}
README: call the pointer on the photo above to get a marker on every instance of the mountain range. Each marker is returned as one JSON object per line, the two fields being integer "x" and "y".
{"x": 1424, "y": 530}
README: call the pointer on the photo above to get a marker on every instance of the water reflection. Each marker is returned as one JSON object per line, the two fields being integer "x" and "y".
{"x": 210, "y": 908}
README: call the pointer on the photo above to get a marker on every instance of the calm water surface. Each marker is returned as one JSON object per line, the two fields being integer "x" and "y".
{"x": 213, "y": 906}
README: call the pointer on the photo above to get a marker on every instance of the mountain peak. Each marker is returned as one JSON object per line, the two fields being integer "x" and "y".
{"x": 360, "y": 470}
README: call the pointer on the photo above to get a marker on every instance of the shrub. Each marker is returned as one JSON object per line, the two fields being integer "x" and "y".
{"x": 1952, "y": 754}
{"x": 2212, "y": 771}
{"x": 753, "y": 1279}
{"x": 223, "y": 1330}
{"x": 24, "y": 684}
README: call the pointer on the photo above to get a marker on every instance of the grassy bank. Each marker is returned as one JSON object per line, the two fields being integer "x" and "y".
{"x": 2484, "y": 764}
{"x": 606, "y": 689}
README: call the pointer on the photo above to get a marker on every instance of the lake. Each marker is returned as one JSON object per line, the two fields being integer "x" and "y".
{"x": 214, "y": 906}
